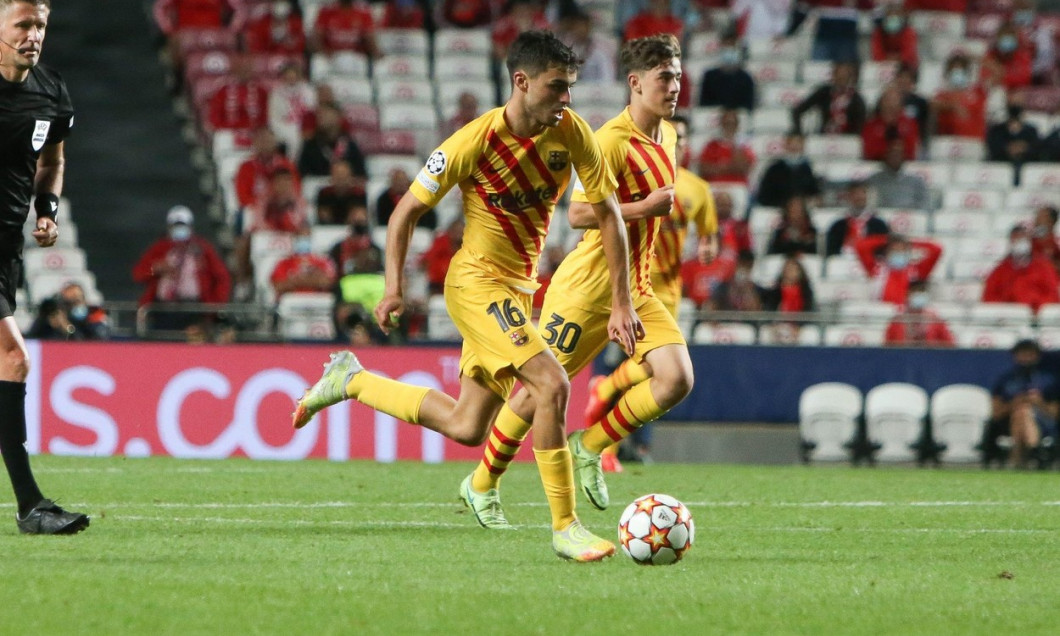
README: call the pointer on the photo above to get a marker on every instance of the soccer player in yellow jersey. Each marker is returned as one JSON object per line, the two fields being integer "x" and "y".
{"x": 639, "y": 146}
{"x": 511, "y": 165}
{"x": 693, "y": 204}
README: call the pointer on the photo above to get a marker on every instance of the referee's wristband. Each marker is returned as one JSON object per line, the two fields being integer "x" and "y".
{"x": 46, "y": 205}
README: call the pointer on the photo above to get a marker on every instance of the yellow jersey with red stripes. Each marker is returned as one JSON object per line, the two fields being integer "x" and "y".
{"x": 641, "y": 166}
{"x": 693, "y": 205}
{"x": 510, "y": 185}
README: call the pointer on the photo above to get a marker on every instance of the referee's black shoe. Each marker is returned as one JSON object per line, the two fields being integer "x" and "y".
{"x": 48, "y": 518}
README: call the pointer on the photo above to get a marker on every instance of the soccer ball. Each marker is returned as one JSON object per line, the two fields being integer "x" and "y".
{"x": 656, "y": 530}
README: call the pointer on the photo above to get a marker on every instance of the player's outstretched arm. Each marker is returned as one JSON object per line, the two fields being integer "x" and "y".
{"x": 47, "y": 186}
{"x": 398, "y": 236}
{"x": 624, "y": 326}
{"x": 659, "y": 203}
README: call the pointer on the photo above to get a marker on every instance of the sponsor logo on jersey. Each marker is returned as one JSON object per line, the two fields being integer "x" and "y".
{"x": 519, "y": 337}
{"x": 40, "y": 134}
{"x": 558, "y": 160}
{"x": 436, "y": 162}
{"x": 521, "y": 199}
{"x": 430, "y": 184}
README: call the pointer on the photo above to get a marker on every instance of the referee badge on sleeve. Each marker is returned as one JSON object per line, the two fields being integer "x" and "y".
{"x": 40, "y": 134}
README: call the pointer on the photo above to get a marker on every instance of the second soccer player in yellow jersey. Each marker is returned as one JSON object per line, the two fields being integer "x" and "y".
{"x": 639, "y": 146}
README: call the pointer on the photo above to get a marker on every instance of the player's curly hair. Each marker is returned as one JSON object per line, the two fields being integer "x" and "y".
{"x": 644, "y": 54}
{"x": 534, "y": 52}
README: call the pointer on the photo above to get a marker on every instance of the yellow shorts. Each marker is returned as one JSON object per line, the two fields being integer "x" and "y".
{"x": 668, "y": 292}
{"x": 577, "y": 334}
{"x": 494, "y": 320}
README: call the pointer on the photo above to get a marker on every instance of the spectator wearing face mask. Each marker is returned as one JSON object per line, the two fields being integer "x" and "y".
{"x": 728, "y": 85}
{"x": 1008, "y": 61}
{"x": 181, "y": 267}
{"x": 359, "y": 263}
{"x": 916, "y": 325}
{"x": 892, "y": 264}
{"x": 1013, "y": 140}
{"x": 960, "y": 107}
{"x": 893, "y": 38}
{"x": 790, "y": 175}
{"x": 1022, "y": 277}
{"x": 302, "y": 270}
{"x": 356, "y": 254}
{"x": 1039, "y": 36}
{"x": 1044, "y": 241}
{"x": 68, "y": 316}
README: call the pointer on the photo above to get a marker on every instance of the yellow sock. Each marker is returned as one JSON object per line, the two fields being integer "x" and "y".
{"x": 634, "y": 409}
{"x": 626, "y": 376}
{"x": 611, "y": 450}
{"x": 505, "y": 438}
{"x": 557, "y": 476}
{"x": 389, "y": 396}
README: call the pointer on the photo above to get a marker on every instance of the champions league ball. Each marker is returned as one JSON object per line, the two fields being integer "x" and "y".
{"x": 656, "y": 530}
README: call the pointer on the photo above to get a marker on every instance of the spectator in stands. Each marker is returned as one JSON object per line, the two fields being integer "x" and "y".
{"x": 302, "y": 270}
{"x": 960, "y": 107}
{"x": 404, "y": 14}
{"x": 733, "y": 235}
{"x": 836, "y": 37}
{"x": 702, "y": 274}
{"x": 279, "y": 30}
{"x": 728, "y": 85}
{"x": 242, "y": 102}
{"x": 890, "y": 123}
{"x": 345, "y": 25}
{"x": 790, "y": 175}
{"x": 1040, "y": 36}
{"x": 915, "y": 105}
{"x": 840, "y": 108}
{"x": 860, "y": 221}
{"x": 328, "y": 144}
{"x": 254, "y": 174}
{"x": 181, "y": 267}
{"x": 892, "y": 264}
{"x": 435, "y": 261}
{"x": 1022, "y": 277}
{"x": 728, "y": 158}
{"x": 174, "y": 16}
{"x": 465, "y": 14}
{"x": 795, "y": 234}
{"x": 324, "y": 94}
{"x": 359, "y": 263}
{"x": 341, "y": 196}
{"x": 740, "y": 293}
{"x": 289, "y": 101}
{"x": 1044, "y": 241}
{"x": 1025, "y": 404}
{"x": 283, "y": 209}
{"x": 1008, "y": 61}
{"x": 68, "y": 316}
{"x": 1014, "y": 140}
{"x": 762, "y": 19}
{"x": 356, "y": 253}
{"x": 893, "y": 38}
{"x": 895, "y": 188}
{"x": 953, "y": 6}
{"x": 599, "y": 54}
{"x": 398, "y": 185}
{"x": 654, "y": 19}
{"x": 792, "y": 291}
{"x": 466, "y": 111}
{"x": 916, "y": 325}
{"x": 520, "y": 16}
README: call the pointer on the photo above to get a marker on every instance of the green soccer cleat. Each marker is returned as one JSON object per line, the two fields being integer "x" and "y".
{"x": 588, "y": 472}
{"x": 329, "y": 389}
{"x": 485, "y": 505}
{"x": 578, "y": 544}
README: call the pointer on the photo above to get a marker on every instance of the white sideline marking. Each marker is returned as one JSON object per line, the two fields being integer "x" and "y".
{"x": 691, "y": 504}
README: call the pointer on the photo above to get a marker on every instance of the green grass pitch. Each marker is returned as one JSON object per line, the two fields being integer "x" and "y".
{"x": 241, "y": 547}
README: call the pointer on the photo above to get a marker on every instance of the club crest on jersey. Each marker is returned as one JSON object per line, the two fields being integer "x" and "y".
{"x": 519, "y": 337}
{"x": 40, "y": 134}
{"x": 558, "y": 160}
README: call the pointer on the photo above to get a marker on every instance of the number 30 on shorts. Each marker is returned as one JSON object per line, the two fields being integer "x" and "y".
{"x": 561, "y": 334}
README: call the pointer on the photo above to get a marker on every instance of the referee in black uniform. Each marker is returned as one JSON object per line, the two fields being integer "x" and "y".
{"x": 35, "y": 117}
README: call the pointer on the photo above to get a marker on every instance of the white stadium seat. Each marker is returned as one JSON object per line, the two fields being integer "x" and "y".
{"x": 907, "y": 222}
{"x": 952, "y": 313}
{"x": 991, "y": 248}
{"x": 783, "y": 95}
{"x": 873, "y": 312}
{"x": 348, "y": 64}
{"x": 816, "y": 72}
{"x": 422, "y": 117}
{"x": 773, "y": 70}
{"x": 612, "y": 94}
{"x": 877, "y": 74}
{"x": 958, "y": 222}
{"x": 970, "y": 269}
{"x": 414, "y": 66}
{"x": 894, "y": 419}
{"x": 770, "y": 121}
{"x": 325, "y": 237}
{"x": 464, "y": 67}
{"x": 767, "y": 146}
{"x": 956, "y": 149}
{"x": 402, "y": 41}
{"x": 702, "y": 43}
{"x": 1029, "y": 198}
{"x": 967, "y": 291}
{"x": 1003, "y": 222}
{"x": 724, "y": 333}
{"x": 266, "y": 242}
{"x": 1048, "y": 338}
{"x": 958, "y": 414}
{"x": 854, "y": 335}
{"x": 937, "y": 24}
{"x": 44, "y": 284}
{"x": 986, "y": 337}
{"x": 352, "y": 90}
{"x": 828, "y": 419}
{"x": 1041, "y": 175}
{"x": 988, "y": 174}
{"x": 1049, "y": 315}
{"x": 777, "y": 49}
{"x": 935, "y": 173}
{"x": 1012, "y": 315}
{"x": 392, "y": 91}
{"x": 449, "y": 92}
{"x": 463, "y": 41}
{"x": 306, "y": 316}
{"x": 66, "y": 259}
{"x": 439, "y": 325}
{"x": 379, "y": 166}
{"x": 844, "y": 267}
{"x": 834, "y": 147}
{"x": 844, "y": 170}
{"x": 972, "y": 199}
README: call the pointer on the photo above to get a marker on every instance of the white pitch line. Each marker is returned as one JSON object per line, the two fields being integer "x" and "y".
{"x": 691, "y": 504}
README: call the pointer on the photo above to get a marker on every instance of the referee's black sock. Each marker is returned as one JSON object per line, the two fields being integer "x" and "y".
{"x": 13, "y": 445}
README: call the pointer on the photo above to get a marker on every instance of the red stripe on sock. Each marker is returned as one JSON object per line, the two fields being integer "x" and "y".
{"x": 499, "y": 456}
{"x": 504, "y": 439}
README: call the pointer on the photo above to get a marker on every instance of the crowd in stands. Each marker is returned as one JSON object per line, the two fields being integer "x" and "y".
{"x": 859, "y": 151}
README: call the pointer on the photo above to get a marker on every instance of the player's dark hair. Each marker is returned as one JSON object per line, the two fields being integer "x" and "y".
{"x": 47, "y": 4}
{"x": 535, "y": 52}
{"x": 644, "y": 54}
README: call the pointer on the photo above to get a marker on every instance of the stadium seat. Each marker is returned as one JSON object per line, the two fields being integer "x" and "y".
{"x": 409, "y": 117}
{"x": 983, "y": 25}
{"x": 263, "y": 266}
{"x": 391, "y": 91}
{"x": 387, "y": 142}
{"x": 770, "y": 121}
{"x": 877, "y": 74}
{"x": 766, "y": 146}
{"x": 269, "y": 66}
{"x": 789, "y": 334}
{"x": 854, "y": 335}
{"x": 724, "y": 333}
{"x": 325, "y": 237}
{"x": 411, "y": 66}
{"x": 402, "y": 41}
{"x": 778, "y": 70}
{"x": 1048, "y": 338}
{"x": 961, "y": 292}
{"x": 777, "y": 49}
{"x": 462, "y": 42}
{"x": 932, "y": 24}
{"x": 702, "y": 44}
{"x": 206, "y": 63}
{"x": 972, "y": 199}
{"x": 907, "y": 222}
{"x": 1041, "y": 175}
{"x": 844, "y": 267}
{"x": 1003, "y": 222}
{"x": 43, "y": 284}
{"x": 1049, "y": 315}
{"x": 611, "y": 94}
{"x": 1013, "y": 315}
{"x": 439, "y": 325}
{"x": 596, "y": 116}
{"x": 449, "y": 92}
{"x": 958, "y": 414}
{"x": 686, "y": 317}
{"x": 463, "y": 67}
{"x": 816, "y": 72}
{"x": 361, "y": 116}
{"x": 962, "y": 222}
{"x": 988, "y": 174}
{"x": 828, "y": 420}
{"x": 952, "y": 313}
{"x": 969, "y": 269}
{"x": 870, "y": 312}
{"x": 781, "y": 95}
{"x": 379, "y": 166}
{"x": 266, "y": 242}
{"x": 942, "y": 48}
{"x": 972, "y": 337}
{"x": 990, "y": 248}
{"x": 64, "y": 259}
{"x": 1029, "y": 198}
{"x": 767, "y": 268}
{"x": 352, "y": 90}
{"x": 935, "y": 173}
{"x": 894, "y": 419}
{"x": 195, "y": 40}
{"x": 834, "y": 291}
{"x": 306, "y": 316}
{"x": 349, "y": 64}
{"x": 956, "y": 149}
{"x": 848, "y": 170}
